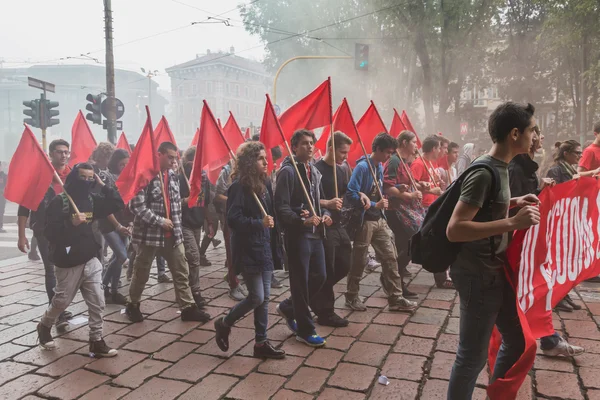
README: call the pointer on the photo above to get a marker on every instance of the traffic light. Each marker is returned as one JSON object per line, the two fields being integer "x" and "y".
{"x": 361, "y": 56}
{"x": 33, "y": 112}
{"x": 95, "y": 107}
{"x": 49, "y": 113}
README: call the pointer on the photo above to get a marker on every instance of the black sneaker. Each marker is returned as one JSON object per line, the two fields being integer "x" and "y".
{"x": 164, "y": 278}
{"x": 266, "y": 350}
{"x": 275, "y": 283}
{"x": 107, "y": 293}
{"x": 117, "y": 298}
{"x": 192, "y": 313}
{"x": 45, "y": 337}
{"x": 563, "y": 306}
{"x": 204, "y": 261}
{"x": 33, "y": 256}
{"x": 62, "y": 322}
{"x": 100, "y": 349}
{"x": 407, "y": 294}
{"x": 133, "y": 312}
{"x": 200, "y": 301}
{"x": 332, "y": 320}
{"x": 222, "y": 334}
{"x": 570, "y": 302}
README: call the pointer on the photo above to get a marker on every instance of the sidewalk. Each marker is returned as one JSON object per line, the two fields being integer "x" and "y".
{"x": 165, "y": 358}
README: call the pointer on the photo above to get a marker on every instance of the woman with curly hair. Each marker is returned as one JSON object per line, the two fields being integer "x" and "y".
{"x": 254, "y": 245}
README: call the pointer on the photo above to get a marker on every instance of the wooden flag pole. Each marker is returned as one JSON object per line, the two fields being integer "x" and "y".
{"x": 310, "y": 204}
{"x": 412, "y": 180}
{"x": 425, "y": 164}
{"x": 67, "y": 194}
{"x": 162, "y": 186}
{"x": 362, "y": 145}
{"x": 335, "y": 180}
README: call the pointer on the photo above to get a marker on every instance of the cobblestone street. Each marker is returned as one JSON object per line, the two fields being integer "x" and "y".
{"x": 165, "y": 358}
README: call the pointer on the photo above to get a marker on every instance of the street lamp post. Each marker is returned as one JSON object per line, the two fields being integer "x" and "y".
{"x": 150, "y": 74}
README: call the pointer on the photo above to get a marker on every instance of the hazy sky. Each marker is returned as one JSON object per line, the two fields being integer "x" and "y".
{"x": 42, "y": 31}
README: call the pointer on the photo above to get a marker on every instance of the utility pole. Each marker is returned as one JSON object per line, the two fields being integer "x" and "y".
{"x": 111, "y": 117}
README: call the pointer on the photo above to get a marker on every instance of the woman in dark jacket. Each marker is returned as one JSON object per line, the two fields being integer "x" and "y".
{"x": 254, "y": 245}
{"x": 565, "y": 162}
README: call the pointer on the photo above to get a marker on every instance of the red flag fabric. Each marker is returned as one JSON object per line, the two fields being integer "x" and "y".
{"x": 30, "y": 173}
{"x": 369, "y": 126}
{"x": 233, "y": 133}
{"x": 271, "y": 134}
{"x": 248, "y": 136}
{"x": 212, "y": 153}
{"x": 143, "y": 165}
{"x": 342, "y": 121}
{"x": 397, "y": 125}
{"x": 163, "y": 133}
{"x": 83, "y": 142}
{"x": 545, "y": 262}
{"x": 123, "y": 143}
{"x": 409, "y": 127}
{"x": 313, "y": 111}
{"x": 195, "y": 139}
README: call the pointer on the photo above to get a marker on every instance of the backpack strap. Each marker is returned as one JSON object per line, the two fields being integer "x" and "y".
{"x": 494, "y": 191}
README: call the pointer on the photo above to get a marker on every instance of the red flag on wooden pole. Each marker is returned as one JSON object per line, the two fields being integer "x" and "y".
{"x": 163, "y": 133}
{"x": 408, "y": 126}
{"x": 83, "y": 142}
{"x": 123, "y": 143}
{"x": 248, "y": 136}
{"x": 313, "y": 111}
{"x": 212, "y": 154}
{"x": 30, "y": 173}
{"x": 342, "y": 121}
{"x": 195, "y": 139}
{"x": 143, "y": 165}
{"x": 369, "y": 126}
{"x": 397, "y": 125}
{"x": 232, "y": 133}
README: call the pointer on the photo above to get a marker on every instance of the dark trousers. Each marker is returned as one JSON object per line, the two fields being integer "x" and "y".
{"x": 307, "y": 275}
{"x": 49, "y": 277}
{"x": 486, "y": 299}
{"x": 2, "y": 208}
{"x": 338, "y": 257}
{"x": 401, "y": 240}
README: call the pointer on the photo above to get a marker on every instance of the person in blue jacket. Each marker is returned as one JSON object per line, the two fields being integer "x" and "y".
{"x": 254, "y": 245}
{"x": 373, "y": 229}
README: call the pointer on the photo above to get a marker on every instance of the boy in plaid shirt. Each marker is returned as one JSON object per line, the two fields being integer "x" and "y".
{"x": 156, "y": 232}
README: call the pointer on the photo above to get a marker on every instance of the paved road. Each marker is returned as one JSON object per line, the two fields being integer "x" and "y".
{"x": 164, "y": 358}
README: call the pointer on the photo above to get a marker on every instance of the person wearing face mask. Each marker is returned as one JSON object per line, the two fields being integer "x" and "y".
{"x": 73, "y": 250}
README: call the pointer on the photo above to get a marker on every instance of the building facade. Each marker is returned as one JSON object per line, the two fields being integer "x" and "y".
{"x": 226, "y": 81}
{"x": 73, "y": 83}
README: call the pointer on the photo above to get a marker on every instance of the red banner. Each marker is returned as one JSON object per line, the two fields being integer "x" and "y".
{"x": 546, "y": 262}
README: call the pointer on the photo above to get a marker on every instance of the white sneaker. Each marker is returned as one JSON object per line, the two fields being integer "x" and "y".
{"x": 237, "y": 293}
{"x": 563, "y": 348}
{"x": 372, "y": 264}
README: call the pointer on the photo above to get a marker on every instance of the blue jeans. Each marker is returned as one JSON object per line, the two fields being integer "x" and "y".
{"x": 259, "y": 290}
{"x": 306, "y": 257}
{"x": 550, "y": 342}
{"x": 118, "y": 245}
{"x": 161, "y": 265}
{"x": 486, "y": 299}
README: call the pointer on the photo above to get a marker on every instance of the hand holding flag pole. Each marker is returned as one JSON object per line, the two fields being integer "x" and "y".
{"x": 58, "y": 180}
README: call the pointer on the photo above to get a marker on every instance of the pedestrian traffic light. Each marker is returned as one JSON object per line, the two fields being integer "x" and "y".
{"x": 361, "y": 56}
{"x": 33, "y": 112}
{"x": 95, "y": 107}
{"x": 49, "y": 113}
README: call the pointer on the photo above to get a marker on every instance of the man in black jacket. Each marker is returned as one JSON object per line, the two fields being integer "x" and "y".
{"x": 303, "y": 235}
{"x": 73, "y": 250}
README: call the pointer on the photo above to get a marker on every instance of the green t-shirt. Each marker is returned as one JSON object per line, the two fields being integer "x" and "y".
{"x": 475, "y": 190}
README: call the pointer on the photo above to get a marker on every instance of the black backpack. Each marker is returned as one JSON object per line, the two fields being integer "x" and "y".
{"x": 430, "y": 246}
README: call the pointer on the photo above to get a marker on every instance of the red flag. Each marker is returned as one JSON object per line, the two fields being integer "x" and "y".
{"x": 195, "y": 139}
{"x": 271, "y": 134}
{"x": 123, "y": 143}
{"x": 212, "y": 153}
{"x": 30, "y": 173}
{"x": 397, "y": 125}
{"x": 369, "y": 126}
{"x": 163, "y": 133}
{"x": 409, "y": 127}
{"x": 342, "y": 121}
{"x": 82, "y": 140}
{"x": 233, "y": 133}
{"x": 313, "y": 111}
{"x": 143, "y": 164}
{"x": 248, "y": 136}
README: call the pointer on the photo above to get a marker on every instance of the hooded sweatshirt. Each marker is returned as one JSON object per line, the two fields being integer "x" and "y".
{"x": 192, "y": 218}
{"x": 290, "y": 199}
{"x": 465, "y": 159}
{"x": 75, "y": 245}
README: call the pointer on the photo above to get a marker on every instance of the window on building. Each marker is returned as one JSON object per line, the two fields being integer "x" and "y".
{"x": 256, "y": 112}
{"x": 247, "y": 110}
{"x": 180, "y": 91}
{"x": 227, "y": 89}
{"x": 255, "y": 94}
{"x": 237, "y": 108}
{"x": 181, "y": 110}
{"x": 209, "y": 87}
{"x": 237, "y": 90}
{"x": 247, "y": 92}
{"x": 228, "y": 107}
{"x": 194, "y": 89}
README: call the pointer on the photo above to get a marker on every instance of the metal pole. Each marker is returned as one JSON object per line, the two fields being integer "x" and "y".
{"x": 299, "y": 58}
{"x": 149, "y": 90}
{"x": 582, "y": 94}
{"x": 43, "y": 120}
{"x": 111, "y": 120}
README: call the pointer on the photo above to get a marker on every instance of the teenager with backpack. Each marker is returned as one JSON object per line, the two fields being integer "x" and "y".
{"x": 373, "y": 228}
{"x": 74, "y": 251}
{"x": 478, "y": 229}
